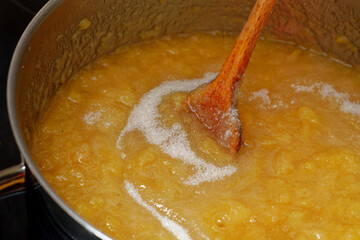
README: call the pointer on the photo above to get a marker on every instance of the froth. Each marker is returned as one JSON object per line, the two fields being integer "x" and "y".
{"x": 327, "y": 91}
{"x": 177, "y": 230}
{"x": 172, "y": 141}
{"x": 92, "y": 117}
{"x": 263, "y": 95}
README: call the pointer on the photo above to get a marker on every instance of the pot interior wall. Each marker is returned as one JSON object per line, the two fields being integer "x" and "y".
{"x": 77, "y": 32}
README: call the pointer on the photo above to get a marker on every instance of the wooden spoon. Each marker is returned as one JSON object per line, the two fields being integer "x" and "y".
{"x": 212, "y": 103}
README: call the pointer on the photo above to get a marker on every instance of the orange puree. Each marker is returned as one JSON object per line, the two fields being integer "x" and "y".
{"x": 119, "y": 146}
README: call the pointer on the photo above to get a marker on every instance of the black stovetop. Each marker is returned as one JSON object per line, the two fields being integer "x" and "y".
{"x": 22, "y": 215}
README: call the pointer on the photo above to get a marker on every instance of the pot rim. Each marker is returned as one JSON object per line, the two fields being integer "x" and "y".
{"x": 12, "y": 80}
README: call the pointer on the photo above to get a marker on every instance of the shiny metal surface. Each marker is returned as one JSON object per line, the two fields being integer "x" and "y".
{"x": 66, "y": 35}
{"x": 12, "y": 179}
{"x": 81, "y": 228}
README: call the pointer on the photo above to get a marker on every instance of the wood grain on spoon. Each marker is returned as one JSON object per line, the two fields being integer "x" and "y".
{"x": 212, "y": 103}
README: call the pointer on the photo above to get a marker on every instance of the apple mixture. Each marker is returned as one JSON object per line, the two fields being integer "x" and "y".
{"x": 120, "y": 146}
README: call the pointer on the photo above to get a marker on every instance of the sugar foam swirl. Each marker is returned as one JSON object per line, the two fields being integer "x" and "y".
{"x": 172, "y": 141}
{"x": 177, "y": 230}
{"x": 329, "y": 92}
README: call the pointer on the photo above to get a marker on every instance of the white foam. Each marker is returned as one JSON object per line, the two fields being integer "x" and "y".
{"x": 350, "y": 107}
{"x": 262, "y": 94}
{"x": 302, "y": 88}
{"x": 92, "y": 117}
{"x": 266, "y": 102}
{"x": 177, "y": 230}
{"x": 327, "y": 91}
{"x": 231, "y": 116}
{"x": 173, "y": 141}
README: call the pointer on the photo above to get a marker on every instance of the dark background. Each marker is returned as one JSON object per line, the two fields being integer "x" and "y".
{"x": 13, "y": 21}
{"x": 21, "y": 214}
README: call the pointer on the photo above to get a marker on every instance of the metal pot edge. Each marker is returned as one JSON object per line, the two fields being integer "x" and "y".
{"x": 11, "y": 89}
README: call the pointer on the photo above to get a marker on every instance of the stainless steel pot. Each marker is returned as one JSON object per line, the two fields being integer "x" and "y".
{"x": 66, "y": 35}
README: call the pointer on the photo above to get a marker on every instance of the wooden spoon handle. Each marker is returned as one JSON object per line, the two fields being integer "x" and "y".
{"x": 235, "y": 65}
{"x": 212, "y": 103}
